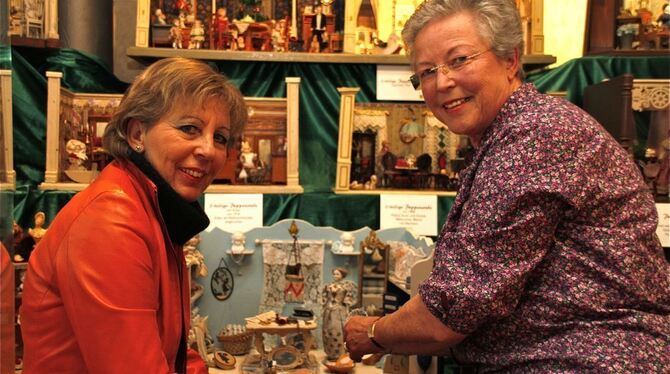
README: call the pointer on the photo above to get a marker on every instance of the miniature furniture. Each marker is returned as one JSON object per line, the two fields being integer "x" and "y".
{"x": 271, "y": 323}
{"x": 7, "y": 173}
{"x": 373, "y": 272}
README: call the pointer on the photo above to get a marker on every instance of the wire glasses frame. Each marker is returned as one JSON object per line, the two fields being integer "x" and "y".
{"x": 454, "y": 64}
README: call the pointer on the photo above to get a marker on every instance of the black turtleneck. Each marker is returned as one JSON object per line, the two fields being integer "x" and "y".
{"x": 183, "y": 219}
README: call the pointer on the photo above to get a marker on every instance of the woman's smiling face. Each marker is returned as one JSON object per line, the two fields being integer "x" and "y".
{"x": 467, "y": 100}
{"x": 188, "y": 148}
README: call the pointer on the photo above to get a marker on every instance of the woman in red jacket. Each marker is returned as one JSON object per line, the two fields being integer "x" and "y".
{"x": 106, "y": 289}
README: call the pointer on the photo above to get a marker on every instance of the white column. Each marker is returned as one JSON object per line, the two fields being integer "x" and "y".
{"x": 51, "y": 17}
{"x": 347, "y": 102}
{"x": 53, "y": 122}
{"x": 142, "y": 28}
{"x": 292, "y": 131}
{"x": 6, "y": 84}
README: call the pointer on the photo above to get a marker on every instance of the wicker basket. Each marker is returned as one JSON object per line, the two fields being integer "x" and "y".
{"x": 238, "y": 344}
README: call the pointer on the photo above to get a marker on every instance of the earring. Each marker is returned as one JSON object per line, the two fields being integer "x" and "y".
{"x": 138, "y": 148}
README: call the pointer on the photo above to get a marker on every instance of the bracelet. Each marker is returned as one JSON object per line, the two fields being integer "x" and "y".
{"x": 371, "y": 335}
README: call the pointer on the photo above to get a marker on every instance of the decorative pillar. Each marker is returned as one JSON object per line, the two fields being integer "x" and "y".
{"x": 294, "y": 20}
{"x": 142, "y": 24}
{"x": 51, "y": 18}
{"x": 53, "y": 122}
{"x": 7, "y": 124}
{"x": 347, "y": 102}
{"x": 537, "y": 25}
{"x": 292, "y": 131}
{"x": 350, "y": 21}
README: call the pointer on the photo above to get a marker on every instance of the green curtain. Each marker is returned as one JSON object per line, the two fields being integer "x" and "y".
{"x": 319, "y": 114}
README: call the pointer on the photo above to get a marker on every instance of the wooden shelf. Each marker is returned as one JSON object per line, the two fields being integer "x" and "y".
{"x": 531, "y": 62}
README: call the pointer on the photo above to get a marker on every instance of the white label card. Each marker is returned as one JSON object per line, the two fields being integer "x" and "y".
{"x": 416, "y": 213}
{"x": 663, "y": 229}
{"x": 234, "y": 212}
{"x": 393, "y": 84}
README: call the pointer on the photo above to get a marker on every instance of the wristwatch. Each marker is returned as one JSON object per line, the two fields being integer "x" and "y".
{"x": 371, "y": 335}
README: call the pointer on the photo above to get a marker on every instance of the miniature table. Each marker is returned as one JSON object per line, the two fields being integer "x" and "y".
{"x": 259, "y": 325}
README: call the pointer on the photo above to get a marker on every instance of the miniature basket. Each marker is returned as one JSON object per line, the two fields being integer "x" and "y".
{"x": 237, "y": 345}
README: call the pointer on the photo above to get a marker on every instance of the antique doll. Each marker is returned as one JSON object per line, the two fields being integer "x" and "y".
{"x": 197, "y": 35}
{"x": 338, "y": 297}
{"x": 175, "y": 34}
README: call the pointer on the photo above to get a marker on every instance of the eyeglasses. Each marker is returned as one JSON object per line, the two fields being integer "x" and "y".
{"x": 454, "y": 64}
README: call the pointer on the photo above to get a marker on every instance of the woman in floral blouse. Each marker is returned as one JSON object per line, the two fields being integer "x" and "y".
{"x": 548, "y": 261}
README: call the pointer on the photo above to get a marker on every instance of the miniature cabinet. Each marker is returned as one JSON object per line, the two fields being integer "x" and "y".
{"x": 373, "y": 273}
{"x": 7, "y": 173}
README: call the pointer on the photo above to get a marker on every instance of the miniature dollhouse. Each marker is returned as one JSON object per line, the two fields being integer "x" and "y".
{"x": 394, "y": 147}
{"x": 76, "y": 123}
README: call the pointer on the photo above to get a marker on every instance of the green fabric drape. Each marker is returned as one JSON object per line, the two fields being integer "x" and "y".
{"x": 319, "y": 115}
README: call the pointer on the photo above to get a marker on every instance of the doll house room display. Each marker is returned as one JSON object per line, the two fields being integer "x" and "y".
{"x": 7, "y": 173}
{"x": 395, "y": 148}
{"x": 627, "y": 27}
{"x": 294, "y": 302}
{"x": 266, "y": 160}
{"x": 33, "y": 23}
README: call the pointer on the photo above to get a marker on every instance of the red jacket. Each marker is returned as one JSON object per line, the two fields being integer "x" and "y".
{"x": 106, "y": 290}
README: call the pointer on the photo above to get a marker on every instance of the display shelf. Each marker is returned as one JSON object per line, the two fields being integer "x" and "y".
{"x": 530, "y": 62}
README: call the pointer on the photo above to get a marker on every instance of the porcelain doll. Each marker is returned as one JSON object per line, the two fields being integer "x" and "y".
{"x": 338, "y": 297}
{"x": 160, "y": 17}
{"x": 76, "y": 151}
{"x": 175, "y": 34}
{"x": 197, "y": 35}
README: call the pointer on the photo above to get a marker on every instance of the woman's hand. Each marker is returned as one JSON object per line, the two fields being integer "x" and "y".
{"x": 356, "y": 340}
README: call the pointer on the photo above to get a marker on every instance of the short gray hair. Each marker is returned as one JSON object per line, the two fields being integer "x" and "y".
{"x": 168, "y": 84}
{"x": 499, "y": 23}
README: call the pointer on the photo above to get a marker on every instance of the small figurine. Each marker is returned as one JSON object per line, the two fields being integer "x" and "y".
{"x": 35, "y": 234}
{"x": 76, "y": 154}
{"x": 175, "y": 34}
{"x": 160, "y": 17}
{"x": 346, "y": 243}
{"x": 278, "y": 36}
{"x": 337, "y": 297}
{"x": 38, "y": 231}
{"x": 314, "y": 46}
{"x": 197, "y": 35}
{"x": 250, "y": 167}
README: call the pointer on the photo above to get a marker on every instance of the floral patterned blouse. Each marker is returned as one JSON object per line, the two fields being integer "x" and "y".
{"x": 549, "y": 260}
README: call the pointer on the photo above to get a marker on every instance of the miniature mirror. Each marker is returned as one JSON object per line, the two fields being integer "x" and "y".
{"x": 222, "y": 282}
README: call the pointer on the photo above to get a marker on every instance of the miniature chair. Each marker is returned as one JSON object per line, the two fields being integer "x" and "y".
{"x": 421, "y": 178}
{"x": 388, "y": 164}
{"x": 261, "y": 37}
